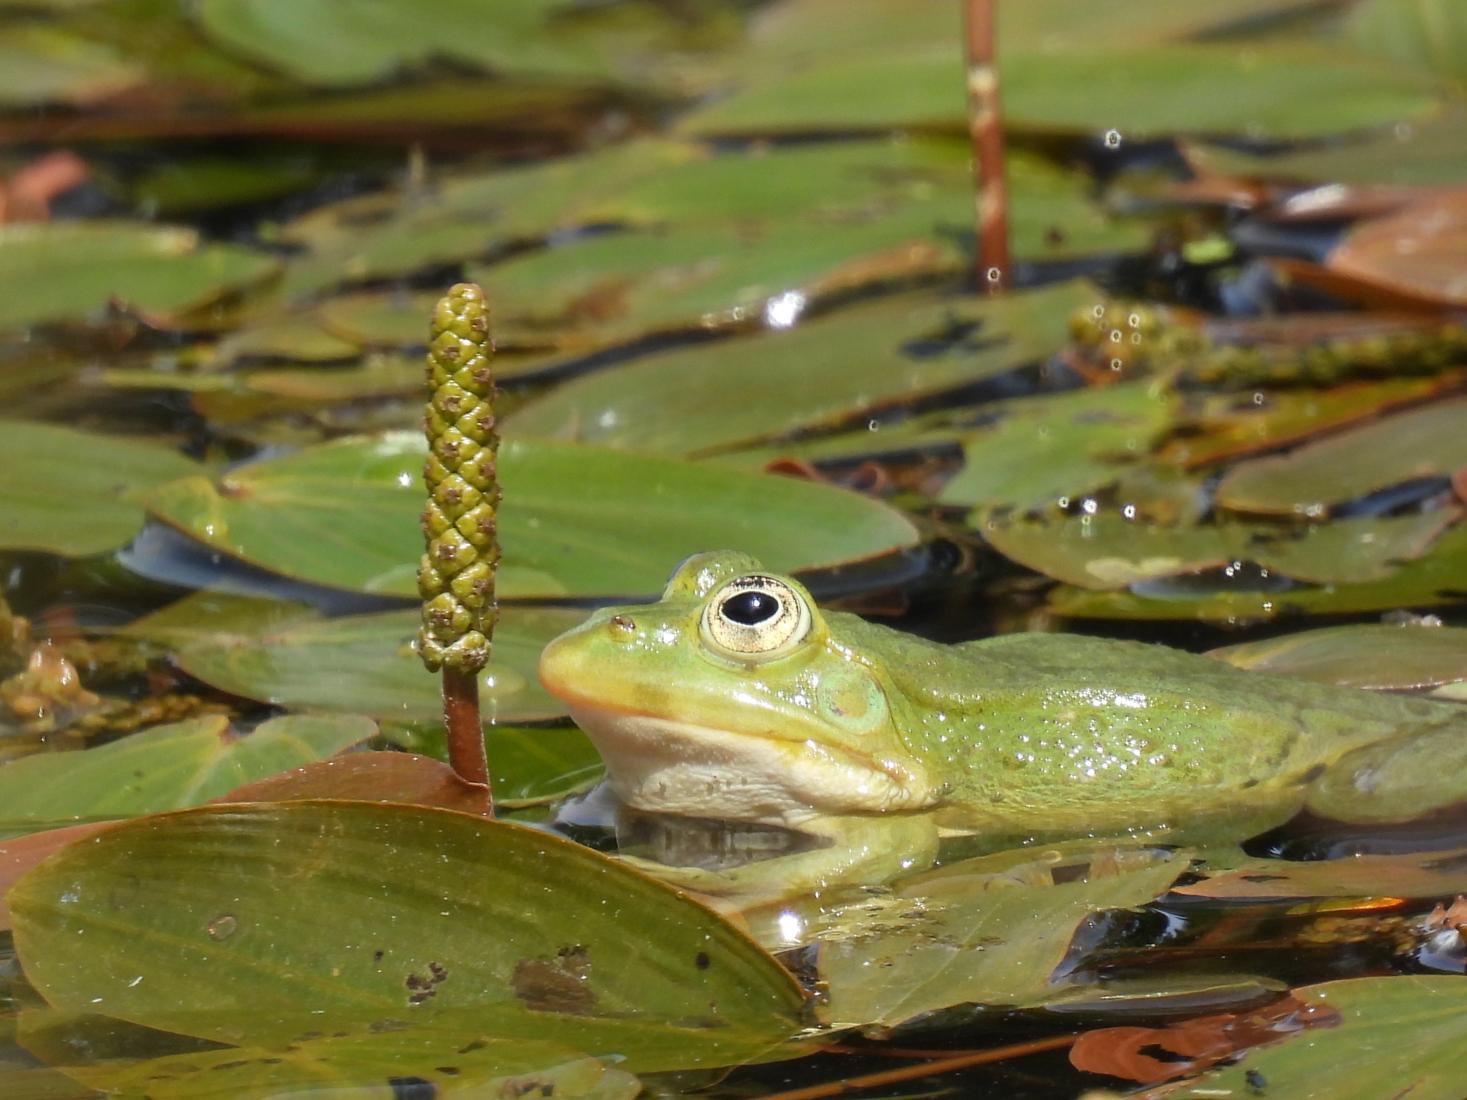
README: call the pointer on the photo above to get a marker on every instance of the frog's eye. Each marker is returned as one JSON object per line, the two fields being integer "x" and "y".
{"x": 755, "y": 617}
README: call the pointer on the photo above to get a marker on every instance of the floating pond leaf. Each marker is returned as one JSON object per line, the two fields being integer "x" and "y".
{"x": 1421, "y": 34}
{"x": 1396, "y": 781}
{"x": 1397, "y": 1036}
{"x": 400, "y": 777}
{"x": 284, "y": 654}
{"x": 66, "y": 271}
{"x": 1231, "y": 425}
{"x": 576, "y": 521}
{"x": 166, "y": 767}
{"x": 1061, "y": 446}
{"x": 1278, "y": 92}
{"x": 740, "y": 391}
{"x": 40, "y": 63}
{"x": 74, "y": 493}
{"x": 449, "y": 1060}
{"x": 1408, "y": 875}
{"x": 1423, "y": 152}
{"x": 1108, "y": 551}
{"x": 377, "y": 39}
{"x": 349, "y": 913}
{"x": 1431, "y": 580}
{"x": 1380, "y": 657}
{"x": 1415, "y": 253}
{"x": 981, "y": 935}
{"x": 1419, "y": 443}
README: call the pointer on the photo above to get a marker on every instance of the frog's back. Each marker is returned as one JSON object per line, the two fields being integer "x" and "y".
{"x": 1053, "y": 732}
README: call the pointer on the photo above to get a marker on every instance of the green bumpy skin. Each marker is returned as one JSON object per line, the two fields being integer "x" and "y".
{"x": 734, "y": 698}
{"x": 456, "y": 573}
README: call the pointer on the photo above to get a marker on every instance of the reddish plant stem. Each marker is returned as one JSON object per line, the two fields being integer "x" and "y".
{"x": 465, "y": 734}
{"x": 985, "y": 127}
{"x": 924, "y": 1069}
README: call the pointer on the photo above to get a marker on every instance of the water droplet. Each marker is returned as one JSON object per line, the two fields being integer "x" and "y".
{"x": 1112, "y": 139}
{"x": 222, "y": 927}
{"x": 872, "y": 426}
{"x": 994, "y": 274}
{"x": 1098, "y": 312}
{"x": 1129, "y": 511}
{"x": 1116, "y": 364}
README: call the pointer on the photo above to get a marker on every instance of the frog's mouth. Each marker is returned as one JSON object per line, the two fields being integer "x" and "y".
{"x": 670, "y": 766}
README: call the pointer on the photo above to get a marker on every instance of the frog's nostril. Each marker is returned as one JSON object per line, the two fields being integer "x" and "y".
{"x": 622, "y": 624}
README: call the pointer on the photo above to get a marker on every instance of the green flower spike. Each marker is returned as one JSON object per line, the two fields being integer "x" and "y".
{"x": 456, "y": 573}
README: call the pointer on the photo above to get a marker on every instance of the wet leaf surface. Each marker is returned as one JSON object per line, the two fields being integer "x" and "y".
{"x": 576, "y": 521}
{"x": 982, "y": 933}
{"x": 165, "y": 768}
{"x": 740, "y": 391}
{"x": 1395, "y": 1036}
{"x": 53, "y": 475}
{"x": 377, "y": 912}
{"x": 1062, "y": 446}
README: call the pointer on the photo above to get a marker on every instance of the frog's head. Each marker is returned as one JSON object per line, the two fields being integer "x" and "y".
{"x": 731, "y": 698}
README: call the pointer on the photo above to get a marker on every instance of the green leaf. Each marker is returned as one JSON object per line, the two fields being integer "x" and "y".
{"x": 74, "y": 493}
{"x": 1423, "y": 442}
{"x": 1435, "y": 578}
{"x": 1376, "y": 656}
{"x": 1064, "y": 445}
{"x": 366, "y": 664}
{"x": 166, "y": 767}
{"x": 1279, "y": 93}
{"x": 363, "y": 1064}
{"x": 736, "y": 392}
{"x": 1397, "y": 1037}
{"x": 984, "y": 931}
{"x": 1408, "y": 875}
{"x": 576, "y": 520}
{"x": 255, "y": 924}
{"x": 1109, "y": 551}
{"x": 65, "y": 271}
{"x": 40, "y": 63}
{"x": 375, "y": 39}
{"x": 1419, "y": 34}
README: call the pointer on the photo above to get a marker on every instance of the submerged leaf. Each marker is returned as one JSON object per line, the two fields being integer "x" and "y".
{"x": 981, "y": 933}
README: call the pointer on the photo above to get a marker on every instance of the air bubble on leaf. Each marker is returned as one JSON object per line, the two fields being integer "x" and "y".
{"x": 994, "y": 274}
{"x": 1116, "y": 364}
{"x": 222, "y": 927}
{"x": 1112, "y": 139}
{"x": 1134, "y": 320}
{"x": 1129, "y": 511}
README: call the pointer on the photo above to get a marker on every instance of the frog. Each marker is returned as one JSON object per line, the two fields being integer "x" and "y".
{"x": 735, "y": 698}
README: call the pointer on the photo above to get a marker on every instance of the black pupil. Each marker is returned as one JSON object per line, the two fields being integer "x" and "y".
{"x": 750, "y": 608}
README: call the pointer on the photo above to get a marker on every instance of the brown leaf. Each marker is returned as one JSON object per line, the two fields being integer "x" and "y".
{"x": 1151, "y": 1054}
{"x": 1416, "y": 252}
{"x": 369, "y": 777}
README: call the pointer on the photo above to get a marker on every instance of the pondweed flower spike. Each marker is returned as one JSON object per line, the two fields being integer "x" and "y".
{"x": 456, "y": 574}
